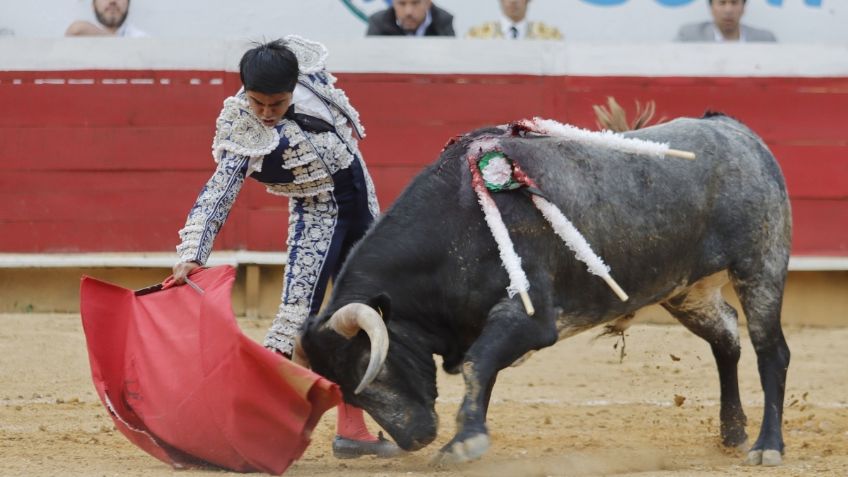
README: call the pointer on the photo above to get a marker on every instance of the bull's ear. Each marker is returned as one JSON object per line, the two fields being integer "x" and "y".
{"x": 383, "y": 304}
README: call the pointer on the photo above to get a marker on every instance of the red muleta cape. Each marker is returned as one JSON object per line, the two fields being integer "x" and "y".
{"x": 182, "y": 382}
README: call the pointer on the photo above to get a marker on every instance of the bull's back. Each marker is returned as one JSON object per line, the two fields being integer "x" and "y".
{"x": 660, "y": 223}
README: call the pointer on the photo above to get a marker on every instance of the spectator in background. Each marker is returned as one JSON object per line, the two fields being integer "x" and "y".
{"x": 725, "y": 26}
{"x": 514, "y": 25}
{"x": 411, "y": 18}
{"x": 111, "y": 18}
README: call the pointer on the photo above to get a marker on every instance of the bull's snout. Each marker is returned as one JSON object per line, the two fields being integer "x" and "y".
{"x": 415, "y": 432}
{"x": 420, "y": 437}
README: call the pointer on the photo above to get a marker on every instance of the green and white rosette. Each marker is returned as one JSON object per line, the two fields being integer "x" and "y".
{"x": 497, "y": 172}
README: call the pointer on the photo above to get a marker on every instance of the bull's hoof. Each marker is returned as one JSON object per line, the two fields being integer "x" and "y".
{"x": 755, "y": 457}
{"x": 458, "y": 452}
{"x": 772, "y": 458}
{"x": 733, "y": 435}
{"x": 741, "y": 447}
{"x": 767, "y": 458}
{"x": 738, "y": 442}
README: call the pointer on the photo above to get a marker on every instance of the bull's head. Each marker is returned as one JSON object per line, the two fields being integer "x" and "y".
{"x": 395, "y": 384}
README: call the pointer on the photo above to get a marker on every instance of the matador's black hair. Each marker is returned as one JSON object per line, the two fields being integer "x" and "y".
{"x": 269, "y": 68}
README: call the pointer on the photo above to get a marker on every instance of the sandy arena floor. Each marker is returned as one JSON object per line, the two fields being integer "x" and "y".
{"x": 571, "y": 410}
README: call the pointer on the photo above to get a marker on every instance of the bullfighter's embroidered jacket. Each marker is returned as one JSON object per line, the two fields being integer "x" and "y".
{"x": 288, "y": 159}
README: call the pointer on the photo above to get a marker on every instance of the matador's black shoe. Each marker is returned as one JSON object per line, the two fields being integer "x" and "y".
{"x": 344, "y": 448}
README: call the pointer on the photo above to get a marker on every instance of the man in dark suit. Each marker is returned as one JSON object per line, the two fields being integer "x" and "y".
{"x": 726, "y": 25}
{"x": 411, "y": 18}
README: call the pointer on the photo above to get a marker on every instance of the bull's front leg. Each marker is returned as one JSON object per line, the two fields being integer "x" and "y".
{"x": 508, "y": 334}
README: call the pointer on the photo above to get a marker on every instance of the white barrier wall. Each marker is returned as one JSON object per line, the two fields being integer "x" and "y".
{"x": 793, "y": 21}
{"x": 442, "y": 56}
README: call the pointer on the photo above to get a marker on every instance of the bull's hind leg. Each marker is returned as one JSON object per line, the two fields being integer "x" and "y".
{"x": 703, "y": 311}
{"x": 508, "y": 334}
{"x": 761, "y": 295}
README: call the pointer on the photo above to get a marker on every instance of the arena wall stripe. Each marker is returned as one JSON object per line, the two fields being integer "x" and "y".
{"x": 104, "y": 147}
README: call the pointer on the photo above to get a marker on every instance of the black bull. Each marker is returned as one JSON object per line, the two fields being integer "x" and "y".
{"x": 672, "y": 230}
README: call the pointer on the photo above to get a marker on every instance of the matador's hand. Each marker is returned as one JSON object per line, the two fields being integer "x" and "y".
{"x": 182, "y": 270}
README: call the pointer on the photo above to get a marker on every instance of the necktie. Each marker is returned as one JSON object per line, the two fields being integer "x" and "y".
{"x": 513, "y": 32}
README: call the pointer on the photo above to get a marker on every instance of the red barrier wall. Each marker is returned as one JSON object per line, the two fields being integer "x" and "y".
{"x": 112, "y": 160}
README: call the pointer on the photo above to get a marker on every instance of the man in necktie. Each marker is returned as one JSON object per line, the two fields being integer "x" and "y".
{"x": 413, "y": 18}
{"x": 514, "y": 25}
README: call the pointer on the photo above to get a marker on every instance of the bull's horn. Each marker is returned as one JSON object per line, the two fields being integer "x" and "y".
{"x": 351, "y": 318}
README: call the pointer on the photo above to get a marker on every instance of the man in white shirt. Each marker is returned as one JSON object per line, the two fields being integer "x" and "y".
{"x": 725, "y": 27}
{"x": 513, "y": 25}
{"x": 112, "y": 18}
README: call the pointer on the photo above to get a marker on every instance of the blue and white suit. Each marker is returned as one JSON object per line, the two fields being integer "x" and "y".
{"x": 331, "y": 196}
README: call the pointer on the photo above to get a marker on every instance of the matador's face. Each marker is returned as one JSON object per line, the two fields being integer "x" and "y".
{"x": 269, "y": 108}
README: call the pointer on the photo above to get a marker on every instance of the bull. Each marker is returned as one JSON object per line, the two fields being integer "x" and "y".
{"x": 427, "y": 278}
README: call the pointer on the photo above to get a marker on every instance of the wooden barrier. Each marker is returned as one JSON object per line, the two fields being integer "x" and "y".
{"x": 110, "y": 157}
